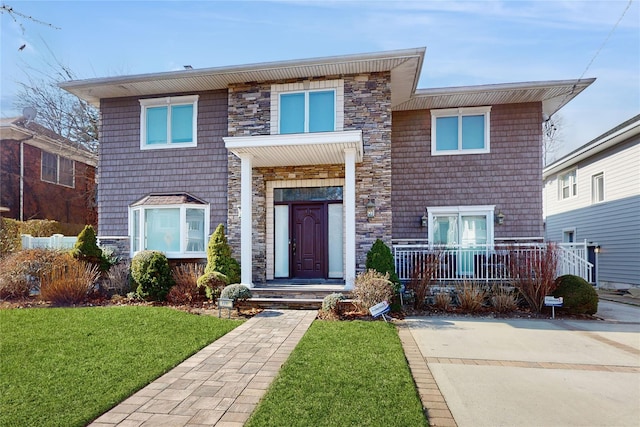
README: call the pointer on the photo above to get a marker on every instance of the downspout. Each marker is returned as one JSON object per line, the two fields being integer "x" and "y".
{"x": 22, "y": 180}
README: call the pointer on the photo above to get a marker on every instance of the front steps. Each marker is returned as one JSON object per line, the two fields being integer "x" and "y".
{"x": 293, "y": 296}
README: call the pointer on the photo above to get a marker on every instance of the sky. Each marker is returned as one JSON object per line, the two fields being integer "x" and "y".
{"x": 468, "y": 43}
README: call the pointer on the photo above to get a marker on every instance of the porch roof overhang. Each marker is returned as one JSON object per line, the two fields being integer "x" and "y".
{"x": 320, "y": 148}
{"x": 553, "y": 94}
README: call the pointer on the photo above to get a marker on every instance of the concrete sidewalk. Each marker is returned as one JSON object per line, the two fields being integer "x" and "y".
{"x": 529, "y": 372}
{"x": 222, "y": 384}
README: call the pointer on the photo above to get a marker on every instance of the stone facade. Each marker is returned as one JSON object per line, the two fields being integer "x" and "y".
{"x": 367, "y": 107}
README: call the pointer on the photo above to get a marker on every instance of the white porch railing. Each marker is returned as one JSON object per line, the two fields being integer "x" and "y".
{"x": 57, "y": 241}
{"x": 490, "y": 263}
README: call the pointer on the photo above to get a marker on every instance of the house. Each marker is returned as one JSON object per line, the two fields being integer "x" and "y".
{"x": 308, "y": 162}
{"x": 45, "y": 176}
{"x": 592, "y": 195}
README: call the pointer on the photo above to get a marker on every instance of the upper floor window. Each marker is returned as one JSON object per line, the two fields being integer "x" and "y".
{"x": 57, "y": 169}
{"x": 567, "y": 185}
{"x": 169, "y": 122}
{"x": 460, "y": 131}
{"x": 305, "y": 107}
{"x": 597, "y": 188}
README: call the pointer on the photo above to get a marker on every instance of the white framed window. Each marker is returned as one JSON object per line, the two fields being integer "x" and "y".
{"x": 567, "y": 185}
{"x": 169, "y": 122}
{"x": 307, "y": 107}
{"x": 597, "y": 188}
{"x": 461, "y": 226}
{"x": 57, "y": 169}
{"x": 460, "y": 131}
{"x": 179, "y": 231}
{"x": 569, "y": 235}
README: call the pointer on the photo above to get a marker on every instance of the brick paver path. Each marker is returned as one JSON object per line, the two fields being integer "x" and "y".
{"x": 222, "y": 384}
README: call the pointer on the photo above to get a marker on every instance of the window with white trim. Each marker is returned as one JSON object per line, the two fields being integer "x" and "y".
{"x": 57, "y": 169}
{"x": 169, "y": 122}
{"x": 460, "y": 131}
{"x": 179, "y": 231}
{"x": 461, "y": 226}
{"x": 567, "y": 185}
{"x": 307, "y": 107}
{"x": 597, "y": 188}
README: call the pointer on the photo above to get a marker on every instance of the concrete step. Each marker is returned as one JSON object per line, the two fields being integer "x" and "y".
{"x": 297, "y": 292}
{"x": 285, "y": 303}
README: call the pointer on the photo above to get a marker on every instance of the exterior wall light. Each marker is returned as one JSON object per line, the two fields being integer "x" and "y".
{"x": 500, "y": 218}
{"x": 424, "y": 220}
{"x": 597, "y": 249}
{"x": 371, "y": 208}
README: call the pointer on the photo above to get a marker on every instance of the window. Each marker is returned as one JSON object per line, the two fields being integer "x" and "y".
{"x": 460, "y": 131}
{"x": 178, "y": 230}
{"x": 168, "y": 122}
{"x": 597, "y": 188}
{"x": 567, "y": 185}
{"x": 568, "y": 235}
{"x": 57, "y": 169}
{"x": 463, "y": 226}
{"x": 307, "y": 111}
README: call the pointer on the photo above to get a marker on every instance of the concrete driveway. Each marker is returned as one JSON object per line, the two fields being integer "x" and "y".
{"x": 525, "y": 372}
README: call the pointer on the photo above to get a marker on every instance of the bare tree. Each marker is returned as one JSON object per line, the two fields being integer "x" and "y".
{"x": 551, "y": 138}
{"x": 19, "y": 17}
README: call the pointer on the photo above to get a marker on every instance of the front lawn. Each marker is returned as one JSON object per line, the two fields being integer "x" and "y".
{"x": 66, "y": 366}
{"x": 343, "y": 374}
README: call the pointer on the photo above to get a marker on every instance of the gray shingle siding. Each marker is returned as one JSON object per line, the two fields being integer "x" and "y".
{"x": 510, "y": 176}
{"x": 615, "y": 226}
{"x": 127, "y": 173}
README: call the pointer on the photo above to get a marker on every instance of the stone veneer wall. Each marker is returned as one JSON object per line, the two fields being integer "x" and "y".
{"x": 367, "y": 107}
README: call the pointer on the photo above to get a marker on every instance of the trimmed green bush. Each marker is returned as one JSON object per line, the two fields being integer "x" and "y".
{"x": 219, "y": 257}
{"x": 380, "y": 259}
{"x": 87, "y": 249}
{"x": 213, "y": 283}
{"x": 331, "y": 301}
{"x": 236, "y": 292}
{"x": 151, "y": 275}
{"x": 579, "y": 297}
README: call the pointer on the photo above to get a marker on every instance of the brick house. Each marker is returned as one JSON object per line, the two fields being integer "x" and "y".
{"x": 45, "y": 176}
{"x": 308, "y": 162}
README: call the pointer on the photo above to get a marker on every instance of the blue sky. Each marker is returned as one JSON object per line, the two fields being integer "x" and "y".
{"x": 468, "y": 43}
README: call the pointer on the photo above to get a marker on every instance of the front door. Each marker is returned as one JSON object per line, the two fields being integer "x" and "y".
{"x": 308, "y": 238}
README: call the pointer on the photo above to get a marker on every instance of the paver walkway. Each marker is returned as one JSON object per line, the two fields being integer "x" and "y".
{"x": 222, "y": 384}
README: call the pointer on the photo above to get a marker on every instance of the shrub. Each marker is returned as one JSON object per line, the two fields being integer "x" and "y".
{"x": 578, "y": 295}
{"x": 212, "y": 283}
{"x": 533, "y": 273}
{"x": 151, "y": 275}
{"x": 9, "y": 236}
{"x": 236, "y": 292}
{"x": 470, "y": 296}
{"x": 503, "y": 299}
{"x": 41, "y": 227}
{"x": 219, "y": 256}
{"x": 332, "y": 302}
{"x": 371, "y": 288}
{"x": 442, "y": 300}
{"x": 86, "y": 248}
{"x": 20, "y": 271}
{"x": 186, "y": 290}
{"x": 118, "y": 278}
{"x": 69, "y": 282}
{"x": 380, "y": 259}
{"x": 422, "y": 278}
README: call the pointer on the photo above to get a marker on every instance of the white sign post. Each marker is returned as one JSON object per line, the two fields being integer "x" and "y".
{"x": 380, "y": 310}
{"x": 553, "y": 302}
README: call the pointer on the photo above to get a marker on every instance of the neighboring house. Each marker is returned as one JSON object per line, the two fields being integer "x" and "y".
{"x": 45, "y": 176}
{"x": 308, "y": 162}
{"x": 593, "y": 195}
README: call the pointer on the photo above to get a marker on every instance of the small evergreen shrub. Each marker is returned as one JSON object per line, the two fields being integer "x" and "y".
{"x": 371, "y": 288}
{"x": 578, "y": 295}
{"x": 186, "y": 290}
{"x": 380, "y": 259}
{"x": 219, "y": 256}
{"x": 236, "y": 292}
{"x": 331, "y": 302}
{"x": 151, "y": 275}
{"x": 86, "y": 248}
{"x": 69, "y": 282}
{"x": 212, "y": 283}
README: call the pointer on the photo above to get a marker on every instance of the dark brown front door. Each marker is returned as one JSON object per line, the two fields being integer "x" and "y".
{"x": 309, "y": 241}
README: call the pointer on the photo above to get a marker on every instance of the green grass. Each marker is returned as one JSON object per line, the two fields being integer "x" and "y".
{"x": 66, "y": 366}
{"x": 343, "y": 374}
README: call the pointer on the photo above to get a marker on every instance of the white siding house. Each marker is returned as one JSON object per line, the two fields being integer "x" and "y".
{"x": 593, "y": 194}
